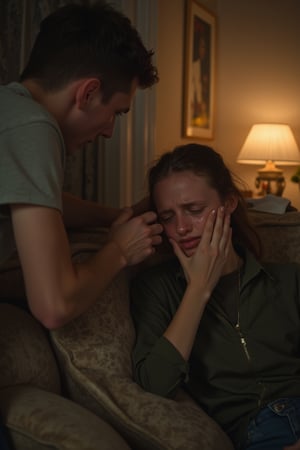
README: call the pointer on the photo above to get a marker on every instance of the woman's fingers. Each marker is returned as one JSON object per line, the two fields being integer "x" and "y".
{"x": 216, "y": 231}
{"x": 208, "y": 229}
{"x": 178, "y": 252}
{"x": 225, "y": 238}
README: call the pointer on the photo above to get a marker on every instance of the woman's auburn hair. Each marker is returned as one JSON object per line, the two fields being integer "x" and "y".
{"x": 205, "y": 161}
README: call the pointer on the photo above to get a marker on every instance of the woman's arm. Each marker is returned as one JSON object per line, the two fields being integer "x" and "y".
{"x": 155, "y": 295}
{"x": 202, "y": 270}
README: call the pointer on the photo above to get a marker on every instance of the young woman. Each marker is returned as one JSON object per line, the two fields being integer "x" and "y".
{"x": 214, "y": 319}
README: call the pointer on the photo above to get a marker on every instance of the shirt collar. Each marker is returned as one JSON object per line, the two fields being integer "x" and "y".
{"x": 251, "y": 267}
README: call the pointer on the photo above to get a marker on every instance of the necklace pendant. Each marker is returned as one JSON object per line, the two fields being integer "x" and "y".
{"x": 243, "y": 341}
{"x": 244, "y": 344}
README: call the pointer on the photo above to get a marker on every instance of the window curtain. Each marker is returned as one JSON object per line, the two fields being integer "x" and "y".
{"x": 109, "y": 171}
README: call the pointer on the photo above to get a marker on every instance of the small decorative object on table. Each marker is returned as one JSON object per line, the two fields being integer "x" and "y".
{"x": 296, "y": 177}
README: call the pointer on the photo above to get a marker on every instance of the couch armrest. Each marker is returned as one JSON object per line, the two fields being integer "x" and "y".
{"x": 38, "y": 420}
{"x": 26, "y": 353}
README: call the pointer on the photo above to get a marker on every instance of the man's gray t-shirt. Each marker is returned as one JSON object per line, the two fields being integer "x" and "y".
{"x": 32, "y": 158}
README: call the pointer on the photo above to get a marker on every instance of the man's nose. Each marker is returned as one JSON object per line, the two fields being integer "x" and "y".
{"x": 108, "y": 130}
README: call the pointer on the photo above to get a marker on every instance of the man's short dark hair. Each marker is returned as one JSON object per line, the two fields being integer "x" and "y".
{"x": 78, "y": 41}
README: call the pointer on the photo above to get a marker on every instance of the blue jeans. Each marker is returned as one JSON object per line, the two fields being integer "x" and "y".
{"x": 275, "y": 426}
{"x": 3, "y": 438}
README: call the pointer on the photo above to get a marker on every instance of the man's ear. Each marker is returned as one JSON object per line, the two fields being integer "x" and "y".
{"x": 231, "y": 203}
{"x": 86, "y": 91}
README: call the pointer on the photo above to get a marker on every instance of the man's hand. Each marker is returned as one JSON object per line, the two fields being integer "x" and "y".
{"x": 59, "y": 290}
{"x": 136, "y": 237}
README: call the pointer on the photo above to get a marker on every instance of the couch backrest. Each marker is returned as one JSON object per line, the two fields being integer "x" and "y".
{"x": 280, "y": 235}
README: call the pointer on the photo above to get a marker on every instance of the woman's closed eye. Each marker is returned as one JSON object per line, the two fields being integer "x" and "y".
{"x": 195, "y": 210}
{"x": 165, "y": 218}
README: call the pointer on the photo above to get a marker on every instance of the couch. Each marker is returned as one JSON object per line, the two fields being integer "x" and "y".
{"x": 72, "y": 388}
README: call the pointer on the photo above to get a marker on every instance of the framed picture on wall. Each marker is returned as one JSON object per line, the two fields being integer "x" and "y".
{"x": 199, "y": 72}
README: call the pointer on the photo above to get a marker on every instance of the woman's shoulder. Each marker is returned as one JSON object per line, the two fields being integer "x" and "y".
{"x": 164, "y": 267}
{"x": 283, "y": 270}
{"x": 158, "y": 272}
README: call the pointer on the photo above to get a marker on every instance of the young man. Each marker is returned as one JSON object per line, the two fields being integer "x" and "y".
{"x": 83, "y": 71}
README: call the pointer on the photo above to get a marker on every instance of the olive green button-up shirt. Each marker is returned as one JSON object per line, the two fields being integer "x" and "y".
{"x": 231, "y": 373}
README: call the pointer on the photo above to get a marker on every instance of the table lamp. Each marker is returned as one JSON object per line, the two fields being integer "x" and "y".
{"x": 270, "y": 144}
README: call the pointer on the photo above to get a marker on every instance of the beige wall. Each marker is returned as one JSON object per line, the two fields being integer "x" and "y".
{"x": 258, "y": 75}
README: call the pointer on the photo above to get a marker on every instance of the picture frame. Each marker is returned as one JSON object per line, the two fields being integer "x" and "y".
{"x": 199, "y": 72}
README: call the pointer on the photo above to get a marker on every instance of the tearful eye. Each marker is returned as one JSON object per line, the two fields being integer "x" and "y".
{"x": 165, "y": 219}
{"x": 196, "y": 211}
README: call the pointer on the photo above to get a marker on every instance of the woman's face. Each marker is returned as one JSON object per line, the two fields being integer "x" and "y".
{"x": 183, "y": 201}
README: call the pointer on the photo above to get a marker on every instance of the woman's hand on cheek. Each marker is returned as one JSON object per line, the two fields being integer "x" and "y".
{"x": 206, "y": 265}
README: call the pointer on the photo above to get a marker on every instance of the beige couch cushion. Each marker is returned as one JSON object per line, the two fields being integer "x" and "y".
{"x": 95, "y": 351}
{"x": 38, "y": 420}
{"x": 280, "y": 235}
{"x": 26, "y": 353}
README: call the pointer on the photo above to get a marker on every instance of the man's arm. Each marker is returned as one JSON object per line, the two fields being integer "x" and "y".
{"x": 83, "y": 213}
{"x": 59, "y": 290}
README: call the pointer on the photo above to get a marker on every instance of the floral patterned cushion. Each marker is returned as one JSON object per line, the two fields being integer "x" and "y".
{"x": 26, "y": 353}
{"x": 41, "y": 420}
{"x": 95, "y": 351}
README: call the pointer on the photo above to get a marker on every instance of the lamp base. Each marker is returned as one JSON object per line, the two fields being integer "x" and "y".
{"x": 270, "y": 180}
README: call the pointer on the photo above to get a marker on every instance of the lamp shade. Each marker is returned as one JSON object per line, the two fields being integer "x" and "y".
{"x": 270, "y": 142}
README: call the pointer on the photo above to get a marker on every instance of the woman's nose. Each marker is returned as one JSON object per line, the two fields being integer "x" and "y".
{"x": 183, "y": 226}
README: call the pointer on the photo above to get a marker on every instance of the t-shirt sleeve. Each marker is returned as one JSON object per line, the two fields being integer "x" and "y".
{"x": 32, "y": 165}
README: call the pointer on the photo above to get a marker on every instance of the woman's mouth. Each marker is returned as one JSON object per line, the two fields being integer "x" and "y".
{"x": 188, "y": 244}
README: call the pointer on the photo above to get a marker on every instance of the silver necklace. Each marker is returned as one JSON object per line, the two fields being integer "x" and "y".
{"x": 237, "y": 325}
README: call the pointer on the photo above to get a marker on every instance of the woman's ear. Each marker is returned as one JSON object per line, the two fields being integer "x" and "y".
{"x": 231, "y": 203}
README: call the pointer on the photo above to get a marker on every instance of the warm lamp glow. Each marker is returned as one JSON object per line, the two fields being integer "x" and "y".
{"x": 271, "y": 144}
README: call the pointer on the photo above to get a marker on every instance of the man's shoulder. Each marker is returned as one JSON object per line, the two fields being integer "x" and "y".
{"x": 18, "y": 108}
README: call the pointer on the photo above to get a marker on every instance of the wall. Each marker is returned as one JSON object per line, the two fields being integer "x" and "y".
{"x": 170, "y": 56}
{"x": 258, "y": 73}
